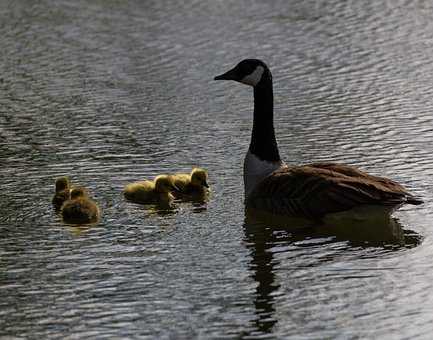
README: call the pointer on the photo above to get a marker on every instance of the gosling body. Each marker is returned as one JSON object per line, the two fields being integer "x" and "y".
{"x": 80, "y": 208}
{"x": 156, "y": 192}
{"x": 192, "y": 186}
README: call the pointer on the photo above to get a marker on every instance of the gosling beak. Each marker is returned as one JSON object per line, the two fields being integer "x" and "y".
{"x": 206, "y": 184}
{"x": 229, "y": 75}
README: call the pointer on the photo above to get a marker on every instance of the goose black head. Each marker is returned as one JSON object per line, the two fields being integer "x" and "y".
{"x": 248, "y": 71}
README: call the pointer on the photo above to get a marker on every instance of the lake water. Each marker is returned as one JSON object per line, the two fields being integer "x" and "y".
{"x": 109, "y": 92}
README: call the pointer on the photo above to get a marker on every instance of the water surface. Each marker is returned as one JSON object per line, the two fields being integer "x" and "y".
{"x": 112, "y": 92}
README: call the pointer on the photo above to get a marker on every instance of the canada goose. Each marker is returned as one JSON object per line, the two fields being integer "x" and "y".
{"x": 312, "y": 190}
{"x": 80, "y": 208}
{"x": 63, "y": 192}
{"x": 191, "y": 186}
{"x": 148, "y": 192}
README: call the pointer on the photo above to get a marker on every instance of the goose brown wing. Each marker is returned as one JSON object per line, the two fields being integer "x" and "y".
{"x": 318, "y": 189}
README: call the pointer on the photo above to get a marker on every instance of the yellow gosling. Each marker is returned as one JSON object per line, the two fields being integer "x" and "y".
{"x": 191, "y": 186}
{"x": 151, "y": 192}
{"x": 63, "y": 192}
{"x": 80, "y": 208}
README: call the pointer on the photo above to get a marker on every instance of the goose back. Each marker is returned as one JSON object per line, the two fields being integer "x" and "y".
{"x": 318, "y": 189}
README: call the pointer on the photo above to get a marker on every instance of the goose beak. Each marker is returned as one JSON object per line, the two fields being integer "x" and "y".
{"x": 229, "y": 75}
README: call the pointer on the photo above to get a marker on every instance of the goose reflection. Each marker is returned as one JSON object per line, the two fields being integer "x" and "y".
{"x": 259, "y": 240}
{"x": 263, "y": 234}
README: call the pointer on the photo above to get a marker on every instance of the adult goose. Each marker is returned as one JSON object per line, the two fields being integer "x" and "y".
{"x": 309, "y": 191}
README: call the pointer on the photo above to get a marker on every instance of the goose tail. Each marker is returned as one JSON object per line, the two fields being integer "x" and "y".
{"x": 414, "y": 200}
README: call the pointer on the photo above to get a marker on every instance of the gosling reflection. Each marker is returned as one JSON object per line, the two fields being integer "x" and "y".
{"x": 155, "y": 210}
{"x": 80, "y": 229}
{"x": 262, "y": 234}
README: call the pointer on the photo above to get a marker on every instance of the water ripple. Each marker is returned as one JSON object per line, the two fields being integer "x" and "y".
{"x": 113, "y": 92}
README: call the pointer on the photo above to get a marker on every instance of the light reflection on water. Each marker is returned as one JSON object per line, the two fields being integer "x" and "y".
{"x": 109, "y": 93}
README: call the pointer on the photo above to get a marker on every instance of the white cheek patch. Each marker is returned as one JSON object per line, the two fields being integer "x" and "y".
{"x": 253, "y": 78}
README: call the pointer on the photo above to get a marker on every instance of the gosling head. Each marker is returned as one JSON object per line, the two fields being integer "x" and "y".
{"x": 248, "y": 71}
{"x": 62, "y": 183}
{"x": 78, "y": 193}
{"x": 164, "y": 184}
{"x": 199, "y": 177}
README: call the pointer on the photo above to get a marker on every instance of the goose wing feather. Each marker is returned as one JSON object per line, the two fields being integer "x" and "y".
{"x": 318, "y": 189}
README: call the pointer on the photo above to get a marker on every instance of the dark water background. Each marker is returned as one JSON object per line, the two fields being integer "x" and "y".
{"x": 109, "y": 92}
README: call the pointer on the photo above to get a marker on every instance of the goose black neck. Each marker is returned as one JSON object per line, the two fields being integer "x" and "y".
{"x": 263, "y": 142}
